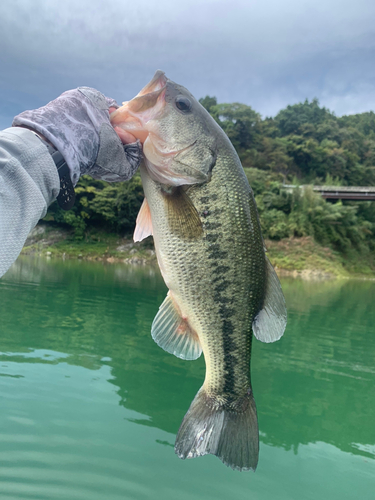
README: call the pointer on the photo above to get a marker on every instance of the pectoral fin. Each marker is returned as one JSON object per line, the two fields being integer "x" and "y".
{"x": 143, "y": 226}
{"x": 270, "y": 322}
{"x": 173, "y": 334}
{"x": 183, "y": 218}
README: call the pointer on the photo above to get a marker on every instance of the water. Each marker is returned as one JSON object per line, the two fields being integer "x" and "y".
{"x": 90, "y": 405}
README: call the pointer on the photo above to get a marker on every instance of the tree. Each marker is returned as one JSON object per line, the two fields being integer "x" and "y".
{"x": 291, "y": 119}
{"x": 208, "y": 102}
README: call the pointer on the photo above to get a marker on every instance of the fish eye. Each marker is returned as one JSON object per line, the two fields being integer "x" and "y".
{"x": 183, "y": 103}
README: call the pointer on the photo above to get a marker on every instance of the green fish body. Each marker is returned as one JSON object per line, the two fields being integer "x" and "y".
{"x": 222, "y": 287}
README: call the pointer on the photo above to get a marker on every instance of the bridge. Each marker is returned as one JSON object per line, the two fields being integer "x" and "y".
{"x": 339, "y": 192}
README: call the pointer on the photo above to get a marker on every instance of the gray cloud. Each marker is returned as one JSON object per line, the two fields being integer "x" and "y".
{"x": 267, "y": 54}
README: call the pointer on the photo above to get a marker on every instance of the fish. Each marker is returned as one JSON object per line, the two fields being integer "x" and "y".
{"x": 222, "y": 288}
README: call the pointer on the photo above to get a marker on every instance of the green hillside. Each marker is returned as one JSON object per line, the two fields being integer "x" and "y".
{"x": 303, "y": 144}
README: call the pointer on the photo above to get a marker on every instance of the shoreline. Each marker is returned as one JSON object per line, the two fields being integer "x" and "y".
{"x": 299, "y": 258}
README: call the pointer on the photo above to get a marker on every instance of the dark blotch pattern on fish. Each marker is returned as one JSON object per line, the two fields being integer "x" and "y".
{"x": 221, "y": 270}
{"x": 219, "y": 299}
{"x": 215, "y": 252}
{"x": 212, "y": 237}
{"x": 225, "y": 244}
{"x": 226, "y": 312}
{"x": 221, "y": 287}
{"x": 212, "y": 225}
{"x": 229, "y": 359}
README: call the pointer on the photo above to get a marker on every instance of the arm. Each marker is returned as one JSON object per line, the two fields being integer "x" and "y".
{"x": 77, "y": 125}
{"x": 29, "y": 183}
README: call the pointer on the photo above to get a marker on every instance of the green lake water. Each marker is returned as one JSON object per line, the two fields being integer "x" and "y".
{"x": 90, "y": 405}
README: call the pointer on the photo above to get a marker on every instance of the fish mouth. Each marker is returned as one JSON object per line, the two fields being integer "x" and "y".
{"x": 133, "y": 116}
{"x": 158, "y": 82}
{"x": 140, "y": 117}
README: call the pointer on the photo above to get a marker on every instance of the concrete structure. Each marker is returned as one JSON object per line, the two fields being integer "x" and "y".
{"x": 340, "y": 192}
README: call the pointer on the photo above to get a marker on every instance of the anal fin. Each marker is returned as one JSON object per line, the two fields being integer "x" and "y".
{"x": 143, "y": 226}
{"x": 173, "y": 334}
{"x": 270, "y": 322}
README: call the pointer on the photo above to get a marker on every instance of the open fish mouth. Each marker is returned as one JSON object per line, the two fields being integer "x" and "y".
{"x": 133, "y": 116}
{"x": 158, "y": 82}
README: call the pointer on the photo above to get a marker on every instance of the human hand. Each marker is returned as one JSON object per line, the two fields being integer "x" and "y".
{"x": 77, "y": 124}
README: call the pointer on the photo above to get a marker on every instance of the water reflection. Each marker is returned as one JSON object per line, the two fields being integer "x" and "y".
{"x": 323, "y": 373}
{"x": 315, "y": 385}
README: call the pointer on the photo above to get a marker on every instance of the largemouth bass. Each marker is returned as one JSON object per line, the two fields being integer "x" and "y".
{"x": 222, "y": 288}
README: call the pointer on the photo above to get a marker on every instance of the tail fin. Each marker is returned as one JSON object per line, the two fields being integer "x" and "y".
{"x": 230, "y": 432}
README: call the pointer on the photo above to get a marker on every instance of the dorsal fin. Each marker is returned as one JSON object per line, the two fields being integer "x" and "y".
{"x": 173, "y": 334}
{"x": 270, "y": 322}
{"x": 143, "y": 226}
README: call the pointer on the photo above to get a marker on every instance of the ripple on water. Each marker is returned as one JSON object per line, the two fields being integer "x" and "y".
{"x": 60, "y": 431}
{"x": 89, "y": 403}
{"x": 55, "y": 475}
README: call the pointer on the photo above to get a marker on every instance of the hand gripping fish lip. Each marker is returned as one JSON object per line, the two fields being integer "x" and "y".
{"x": 134, "y": 115}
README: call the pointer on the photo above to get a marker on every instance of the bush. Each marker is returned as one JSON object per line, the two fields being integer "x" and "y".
{"x": 113, "y": 207}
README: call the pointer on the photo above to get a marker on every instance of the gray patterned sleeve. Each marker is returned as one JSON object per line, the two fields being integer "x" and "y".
{"x": 29, "y": 183}
{"x": 77, "y": 124}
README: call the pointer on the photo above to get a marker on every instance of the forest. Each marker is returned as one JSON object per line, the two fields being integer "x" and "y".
{"x": 304, "y": 144}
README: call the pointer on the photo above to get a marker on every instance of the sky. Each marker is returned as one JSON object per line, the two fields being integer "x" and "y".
{"x": 264, "y": 53}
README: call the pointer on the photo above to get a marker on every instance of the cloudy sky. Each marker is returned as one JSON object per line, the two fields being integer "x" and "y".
{"x": 265, "y": 53}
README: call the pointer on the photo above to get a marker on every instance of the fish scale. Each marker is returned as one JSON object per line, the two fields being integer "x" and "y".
{"x": 225, "y": 332}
